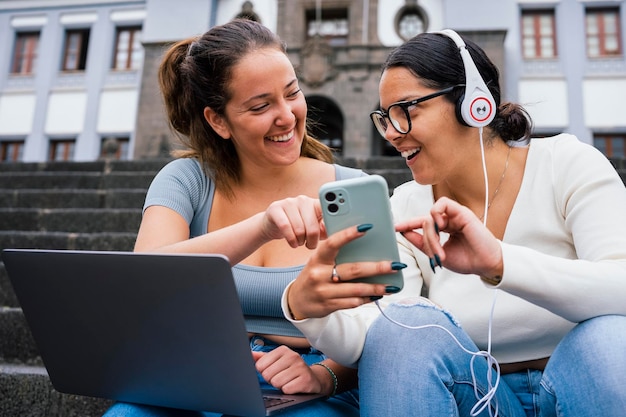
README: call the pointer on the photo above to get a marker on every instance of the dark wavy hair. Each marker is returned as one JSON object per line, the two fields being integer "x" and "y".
{"x": 196, "y": 73}
{"x": 435, "y": 59}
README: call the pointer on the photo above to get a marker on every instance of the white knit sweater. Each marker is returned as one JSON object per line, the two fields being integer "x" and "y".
{"x": 564, "y": 255}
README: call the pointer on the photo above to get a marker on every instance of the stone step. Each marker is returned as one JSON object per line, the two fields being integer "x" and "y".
{"x": 75, "y": 180}
{"x": 369, "y": 165}
{"x": 376, "y": 162}
{"x": 120, "y": 241}
{"x": 59, "y": 198}
{"x": 70, "y": 220}
{"x": 26, "y": 391}
{"x": 7, "y": 295}
{"x": 111, "y": 241}
{"x": 16, "y": 344}
{"x": 152, "y": 165}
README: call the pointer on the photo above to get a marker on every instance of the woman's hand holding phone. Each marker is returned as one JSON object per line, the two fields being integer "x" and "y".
{"x": 316, "y": 294}
{"x": 359, "y": 261}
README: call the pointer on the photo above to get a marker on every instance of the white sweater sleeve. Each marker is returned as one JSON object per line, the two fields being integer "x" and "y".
{"x": 341, "y": 335}
{"x": 591, "y": 202}
{"x": 573, "y": 289}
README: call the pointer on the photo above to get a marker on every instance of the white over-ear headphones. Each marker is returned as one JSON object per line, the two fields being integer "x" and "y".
{"x": 476, "y": 108}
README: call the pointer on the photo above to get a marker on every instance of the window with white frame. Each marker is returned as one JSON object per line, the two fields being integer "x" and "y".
{"x": 613, "y": 146}
{"x": 11, "y": 150}
{"x": 112, "y": 147}
{"x": 25, "y": 53}
{"x": 603, "y": 32}
{"x": 538, "y": 34}
{"x": 330, "y": 24}
{"x": 61, "y": 149}
{"x": 128, "y": 53}
{"x": 75, "y": 52}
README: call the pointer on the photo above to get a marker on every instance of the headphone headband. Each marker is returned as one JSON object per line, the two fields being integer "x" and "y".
{"x": 477, "y": 107}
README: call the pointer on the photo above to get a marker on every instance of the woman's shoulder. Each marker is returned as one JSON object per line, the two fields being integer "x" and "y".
{"x": 412, "y": 189}
{"x": 185, "y": 175}
{"x": 570, "y": 166}
{"x": 184, "y": 170}
{"x": 410, "y": 199}
{"x": 324, "y": 168}
{"x": 562, "y": 144}
{"x": 186, "y": 165}
{"x": 343, "y": 172}
{"x": 566, "y": 151}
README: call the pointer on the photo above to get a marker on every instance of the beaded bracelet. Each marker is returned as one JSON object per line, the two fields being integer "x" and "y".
{"x": 332, "y": 375}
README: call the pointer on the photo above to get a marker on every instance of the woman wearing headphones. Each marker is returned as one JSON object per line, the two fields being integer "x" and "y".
{"x": 519, "y": 245}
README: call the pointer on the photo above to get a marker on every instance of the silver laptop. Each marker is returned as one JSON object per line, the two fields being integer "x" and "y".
{"x": 156, "y": 329}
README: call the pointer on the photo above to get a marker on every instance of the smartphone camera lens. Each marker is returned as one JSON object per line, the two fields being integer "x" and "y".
{"x": 330, "y": 196}
{"x": 333, "y": 208}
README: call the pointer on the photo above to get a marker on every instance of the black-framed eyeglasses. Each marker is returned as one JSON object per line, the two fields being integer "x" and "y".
{"x": 398, "y": 113}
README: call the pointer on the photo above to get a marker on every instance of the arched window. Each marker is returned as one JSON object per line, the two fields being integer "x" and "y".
{"x": 411, "y": 20}
{"x": 380, "y": 146}
{"x": 326, "y": 122}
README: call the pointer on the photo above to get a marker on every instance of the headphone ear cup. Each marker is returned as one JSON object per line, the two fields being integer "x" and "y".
{"x": 478, "y": 110}
{"x": 459, "y": 111}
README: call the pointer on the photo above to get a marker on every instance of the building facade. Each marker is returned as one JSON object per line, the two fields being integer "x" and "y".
{"x": 69, "y": 78}
{"x": 78, "y": 77}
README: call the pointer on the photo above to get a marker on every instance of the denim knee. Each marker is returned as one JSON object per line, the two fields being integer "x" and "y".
{"x": 586, "y": 370}
{"x": 597, "y": 342}
{"x": 418, "y": 360}
{"x": 422, "y": 320}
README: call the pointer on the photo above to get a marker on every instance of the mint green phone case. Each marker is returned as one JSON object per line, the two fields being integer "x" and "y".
{"x": 356, "y": 201}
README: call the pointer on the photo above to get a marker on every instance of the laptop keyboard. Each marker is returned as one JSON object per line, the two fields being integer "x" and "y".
{"x": 274, "y": 401}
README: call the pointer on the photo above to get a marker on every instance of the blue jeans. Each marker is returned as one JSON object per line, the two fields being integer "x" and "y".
{"x": 345, "y": 404}
{"x": 405, "y": 372}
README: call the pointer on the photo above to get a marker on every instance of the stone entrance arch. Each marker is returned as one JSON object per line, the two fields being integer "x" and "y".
{"x": 326, "y": 121}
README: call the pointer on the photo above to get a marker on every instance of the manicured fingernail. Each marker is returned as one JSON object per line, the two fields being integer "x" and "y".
{"x": 396, "y": 266}
{"x": 438, "y": 260}
{"x": 392, "y": 289}
{"x": 436, "y": 228}
{"x": 432, "y": 264}
{"x": 364, "y": 227}
{"x": 376, "y": 297}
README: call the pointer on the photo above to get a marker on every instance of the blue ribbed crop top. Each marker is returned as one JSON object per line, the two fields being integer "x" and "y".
{"x": 183, "y": 187}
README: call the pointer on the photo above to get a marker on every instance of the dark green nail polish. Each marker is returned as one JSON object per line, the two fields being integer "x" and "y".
{"x": 436, "y": 228}
{"x": 364, "y": 227}
{"x": 432, "y": 264}
{"x": 396, "y": 266}
{"x": 392, "y": 289}
{"x": 376, "y": 297}
{"x": 438, "y": 260}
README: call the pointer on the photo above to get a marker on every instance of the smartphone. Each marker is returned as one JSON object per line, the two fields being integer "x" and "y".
{"x": 360, "y": 200}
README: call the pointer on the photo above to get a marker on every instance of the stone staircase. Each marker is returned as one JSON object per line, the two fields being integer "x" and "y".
{"x": 86, "y": 206}
{"x": 82, "y": 206}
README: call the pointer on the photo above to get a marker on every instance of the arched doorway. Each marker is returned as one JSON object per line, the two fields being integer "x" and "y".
{"x": 380, "y": 146}
{"x": 326, "y": 122}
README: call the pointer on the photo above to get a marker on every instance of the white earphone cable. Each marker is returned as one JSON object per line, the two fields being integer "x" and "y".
{"x": 485, "y": 177}
{"x": 492, "y": 386}
{"x": 486, "y": 400}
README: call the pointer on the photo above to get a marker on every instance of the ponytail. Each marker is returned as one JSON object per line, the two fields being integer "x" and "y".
{"x": 512, "y": 122}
